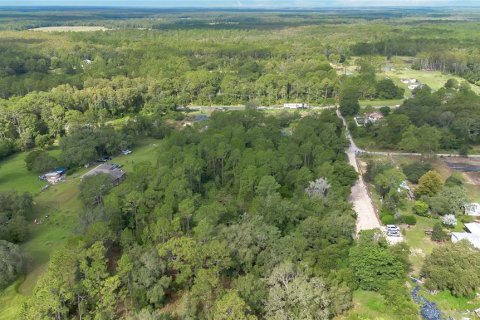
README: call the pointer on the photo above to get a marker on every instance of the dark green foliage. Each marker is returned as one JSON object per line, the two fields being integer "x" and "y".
{"x": 438, "y": 234}
{"x": 387, "y": 219}
{"x": 12, "y": 263}
{"x": 386, "y": 89}
{"x": 349, "y": 105}
{"x": 421, "y": 208}
{"x": 415, "y": 170}
{"x": 374, "y": 263}
{"x": 84, "y": 145}
{"x": 40, "y": 162}
{"x": 409, "y": 219}
{"x": 453, "y": 181}
{"x": 14, "y": 208}
{"x": 453, "y": 267}
{"x": 94, "y": 188}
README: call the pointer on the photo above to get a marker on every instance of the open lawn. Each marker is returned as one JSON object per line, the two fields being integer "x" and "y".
{"x": 434, "y": 79}
{"x": 452, "y": 306}
{"x": 368, "y": 305}
{"x": 380, "y": 103}
{"x": 146, "y": 150}
{"x": 15, "y": 176}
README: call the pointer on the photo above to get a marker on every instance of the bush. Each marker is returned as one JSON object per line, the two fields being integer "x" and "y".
{"x": 453, "y": 181}
{"x": 437, "y": 233}
{"x": 421, "y": 208}
{"x": 388, "y": 219}
{"x": 40, "y": 162}
{"x": 450, "y": 220}
{"x": 11, "y": 263}
{"x": 415, "y": 170}
{"x": 409, "y": 219}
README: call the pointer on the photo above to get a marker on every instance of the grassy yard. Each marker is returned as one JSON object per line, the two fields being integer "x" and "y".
{"x": 61, "y": 204}
{"x": 434, "y": 79}
{"x": 380, "y": 103}
{"x": 368, "y": 305}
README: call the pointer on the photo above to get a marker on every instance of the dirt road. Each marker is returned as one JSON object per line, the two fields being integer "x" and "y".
{"x": 362, "y": 204}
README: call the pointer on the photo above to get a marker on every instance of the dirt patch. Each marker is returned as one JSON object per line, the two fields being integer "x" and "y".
{"x": 472, "y": 178}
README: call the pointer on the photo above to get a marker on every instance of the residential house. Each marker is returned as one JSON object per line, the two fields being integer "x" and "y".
{"x": 373, "y": 117}
{"x": 472, "y": 209}
{"x": 472, "y": 235}
{"x": 117, "y": 174}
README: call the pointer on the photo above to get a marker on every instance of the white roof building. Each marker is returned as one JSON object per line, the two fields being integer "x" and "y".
{"x": 473, "y": 236}
{"x": 295, "y": 106}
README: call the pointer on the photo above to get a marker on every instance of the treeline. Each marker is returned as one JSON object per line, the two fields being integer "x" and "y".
{"x": 244, "y": 219}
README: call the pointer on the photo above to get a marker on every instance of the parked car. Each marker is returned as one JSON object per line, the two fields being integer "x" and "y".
{"x": 392, "y": 227}
{"x": 393, "y": 234}
{"x": 126, "y": 152}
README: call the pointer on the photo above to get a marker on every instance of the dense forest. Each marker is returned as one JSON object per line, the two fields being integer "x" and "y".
{"x": 236, "y": 221}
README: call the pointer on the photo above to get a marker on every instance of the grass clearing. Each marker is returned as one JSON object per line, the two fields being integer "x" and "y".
{"x": 368, "y": 305}
{"x": 380, "y": 103}
{"x": 434, "y": 79}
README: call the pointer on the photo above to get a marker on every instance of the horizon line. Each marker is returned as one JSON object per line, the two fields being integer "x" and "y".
{"x": 446, "y": 6}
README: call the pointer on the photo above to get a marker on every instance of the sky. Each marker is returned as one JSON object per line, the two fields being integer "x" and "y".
{"x": 242, "y": 3}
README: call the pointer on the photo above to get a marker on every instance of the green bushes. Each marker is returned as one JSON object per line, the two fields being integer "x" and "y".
{"x": 415, "y": 170}
{"x": 421, "y": 208}
{"x": 411, "y": 220}
{"x": 388, "y": 219}
{"x": 40, "y": 161}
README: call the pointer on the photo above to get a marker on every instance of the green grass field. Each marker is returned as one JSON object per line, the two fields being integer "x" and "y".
{"x": 434, "y": 79}
{"x": 368, "y": 305}
{"x": 380, "y": 103}
{"x": 60, "y": 202}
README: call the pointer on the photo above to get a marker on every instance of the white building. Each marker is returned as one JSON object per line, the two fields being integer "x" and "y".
{"x": 473, "y": 234}
{"x": 295, "y": 106}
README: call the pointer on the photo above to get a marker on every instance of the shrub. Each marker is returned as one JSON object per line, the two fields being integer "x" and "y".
{"x": 453, "y": 181}
{"x": 388, "y": 219}
{"x": 415, "y": 170}
{"x": 437, "y": 233}
{"x": 450, "y": 220}
{"x": 40, "y": 161}
{"x": 11, "y": 263}
{"x": 409, "y": 219}
{"x": 421, "y": 208}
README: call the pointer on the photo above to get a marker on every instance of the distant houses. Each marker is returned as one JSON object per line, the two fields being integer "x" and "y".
{"x": 412, "y": 83}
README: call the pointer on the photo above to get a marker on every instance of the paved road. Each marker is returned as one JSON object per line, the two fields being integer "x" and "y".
{"x": 362, "y": 203}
